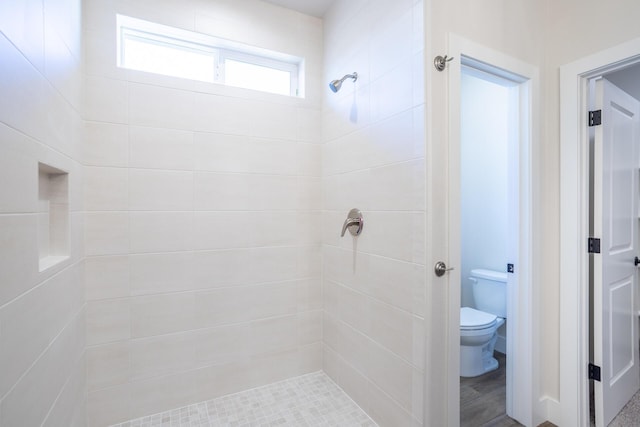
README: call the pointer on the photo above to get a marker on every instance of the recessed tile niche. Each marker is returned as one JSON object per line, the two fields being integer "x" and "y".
{"x": 53, "y": 215}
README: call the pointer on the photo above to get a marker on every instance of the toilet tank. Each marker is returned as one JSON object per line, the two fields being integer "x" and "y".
{"x": 490, "y": 291}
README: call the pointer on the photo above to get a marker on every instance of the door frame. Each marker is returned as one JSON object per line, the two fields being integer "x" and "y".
{"x": 521, "y": 326}
{"x": 574, "y": 224}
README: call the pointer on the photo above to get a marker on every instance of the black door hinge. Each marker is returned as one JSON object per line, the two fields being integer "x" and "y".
{"x": 595, "y": 118}
{"x": 594, "y": 245}
{"x": 594, "y": 372}
{"x": 510, "y": 268}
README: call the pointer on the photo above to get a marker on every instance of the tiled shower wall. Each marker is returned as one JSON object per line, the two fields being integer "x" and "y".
{"x": 374, "y": 160}
{"x": 42, "y": 346}
{"x": 203, "y": 209}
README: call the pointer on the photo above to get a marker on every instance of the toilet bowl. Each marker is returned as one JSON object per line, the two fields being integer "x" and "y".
{"x": 478, "y": 335}
{"x": 479, "y": 326}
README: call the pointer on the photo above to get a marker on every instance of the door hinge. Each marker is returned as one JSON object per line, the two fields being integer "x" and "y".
{"x": 510, "y": 268}
{"x": 594, "y": 372}
{"x": 593, "y": 245}
{"x": 595, "y": 118}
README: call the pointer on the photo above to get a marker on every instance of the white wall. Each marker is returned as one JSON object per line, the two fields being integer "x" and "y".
{"x": 373, "y": 159}
{"x": 484, "y": 168}
{"x": 203, "y": 217}
{"x": 42, "y": 313}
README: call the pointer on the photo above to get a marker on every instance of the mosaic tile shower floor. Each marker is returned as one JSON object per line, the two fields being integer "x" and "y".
{"x": 308, "y": 400}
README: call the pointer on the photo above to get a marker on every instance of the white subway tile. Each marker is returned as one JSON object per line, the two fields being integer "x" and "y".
{"x": 18, "y": 166}
{"x": 309, "y": 327}
{"x": 241, "y": 304}
{"x": 106, "y": 233}
{"x": 274, "y": 334}
{"x": 153, "y": 190}
{"x": 393, "y": 92}
{"x": 355, "y": 348}
{"x": 70, "y": 408}
{"x": 40, "y": 315}
{"x": 216, "y": 191}
{"x": 275, "y": 264}
{"x": 214, "y": 269}
{"x": 18, "y": 255}
{"x": 273, "y": 192}
{"x": 217, "y": 152}
{"x": 214, "y": 113}
{"x": 157, "y": 148}
{"x": 106, "y": 277}
{"x": 397, "y": 283}
{"x": 331, "y": 363}
{"x": 385, "y": 411}
{"x": 106, "y": 100}
{"x": 353, "y": 310}
{"x": 309, "y": 294}
{"x": 163, "y": 355}
{"x": 268, "y": 228}
{"x": 161, "y": 231}
{"x": 108, "y": 321}
{"x": 109, "y": 405}
{"x": 106, "y": 144}
{"x": 392, "y": 328}
{"x": 62, "y": 68}
{"x": 223, "y": 344}
{"x": 355, "y": 384}
{"x": 219, "y": 380}
{"x": 22, "y": 90}
{"x": 399, "y": 187}
{"x": 391, "y": 374}
{"x": 271, "y": 367}
{"x": 100, "y": 51}
{"x": 394, "y": 140}
{"x": 160, "y": 273}
{"x": 154, "y": 395}
{"x": 391, "y": 44}
{"x": 398, "y": 235}
{"x": 160, "y": 107}
{"x": 162, "y": 314}
{"x": 309, "y": 125}
{"x": 28, "y": 403}
{"x": 22, "y": 21}
{"x": 224, "y": 230}
{"x": 108, "y": 365}
{"x": 106, "y": 189}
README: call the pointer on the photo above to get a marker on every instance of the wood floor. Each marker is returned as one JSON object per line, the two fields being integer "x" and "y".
{"x": 483, "y": 399}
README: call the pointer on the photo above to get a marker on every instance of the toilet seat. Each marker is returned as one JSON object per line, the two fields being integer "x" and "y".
{"x": 472, "y": 319}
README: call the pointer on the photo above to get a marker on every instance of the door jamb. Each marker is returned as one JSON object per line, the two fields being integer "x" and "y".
{"x": 574, "y": 224}
{"x": 527, "y": 387}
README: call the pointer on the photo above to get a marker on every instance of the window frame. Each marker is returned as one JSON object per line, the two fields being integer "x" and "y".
{"x": 292, "y": 69}
{"x": 220, "y": 50}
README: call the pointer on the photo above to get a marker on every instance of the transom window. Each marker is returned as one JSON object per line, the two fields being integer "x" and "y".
{"x": 154, "y": 48}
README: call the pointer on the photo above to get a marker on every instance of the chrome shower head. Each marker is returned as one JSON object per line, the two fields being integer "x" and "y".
{"x": 337, "y": 84}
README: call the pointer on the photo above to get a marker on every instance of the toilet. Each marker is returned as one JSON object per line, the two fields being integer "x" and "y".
{"x": 479, "y": 325}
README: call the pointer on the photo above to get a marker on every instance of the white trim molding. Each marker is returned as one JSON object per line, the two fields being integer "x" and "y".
{"x": 523, "y": 340}
{"x": 574, "y": 225}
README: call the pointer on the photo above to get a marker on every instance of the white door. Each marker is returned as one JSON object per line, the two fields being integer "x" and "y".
{"x": 615, "y": 275}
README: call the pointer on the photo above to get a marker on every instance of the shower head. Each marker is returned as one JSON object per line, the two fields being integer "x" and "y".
{"x": 337, "y": 84}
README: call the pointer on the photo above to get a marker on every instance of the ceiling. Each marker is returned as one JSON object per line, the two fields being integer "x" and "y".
{"x": 308, "y": 7}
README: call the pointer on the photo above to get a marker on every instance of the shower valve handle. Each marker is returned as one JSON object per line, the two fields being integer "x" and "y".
{"x": 354, "y": 223}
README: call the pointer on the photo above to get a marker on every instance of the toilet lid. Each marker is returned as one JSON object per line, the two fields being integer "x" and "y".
{"x": 470, "y": 318}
